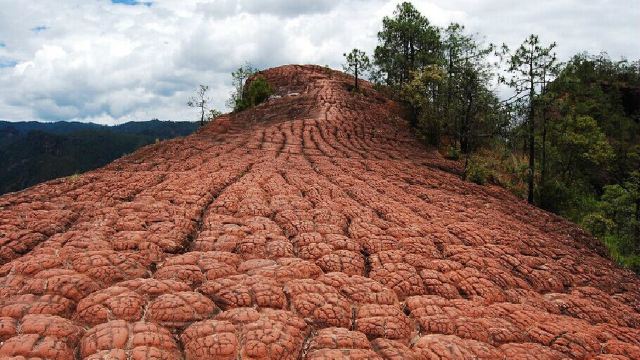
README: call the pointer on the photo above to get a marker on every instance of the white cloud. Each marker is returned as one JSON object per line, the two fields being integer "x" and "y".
{"x": 98, "y": 61}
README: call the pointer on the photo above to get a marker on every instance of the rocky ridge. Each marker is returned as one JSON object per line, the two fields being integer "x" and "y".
{"x": 313, "y": 226}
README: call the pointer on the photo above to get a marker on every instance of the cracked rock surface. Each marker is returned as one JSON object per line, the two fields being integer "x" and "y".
{"x": 313, "y": 226}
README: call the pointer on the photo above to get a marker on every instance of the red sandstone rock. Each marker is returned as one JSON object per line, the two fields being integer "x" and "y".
{"x": 243, "y": 290}
{"x": 117, "y": 338}
{"x": 180, "y": 309}
{"x": 383, "y": 321}
{"x": 359, "y": 289}
{"x": 211, "y": 339}
{"x": 270, "y": 334}
{"x": 152, "y": 288}
{"x": 319, "y": 303}
{"x": 110, "y": 304}
{"x": 195, "y": 267}
{"x": 332, "y": 343}
{"x": 44, "y": 336}
{"x": 313, "y": 226}
{"x": 17, "y": 306}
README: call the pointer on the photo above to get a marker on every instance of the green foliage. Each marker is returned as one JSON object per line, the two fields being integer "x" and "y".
{"x": 239, "y": 77}
{"x": 449, "y": 95}
{"x": 213, "y": 114}
{"x": 608, "y": 92}
{"x": 530, "y": 69}
{"x": 406, "y": 43}
{"x": 422, "y": 94}
{"x": 453, "y": 153}
{"x": 580, "y": 148}
{"x": 623, "y": 257}
{"x": 505, "y": 168}
{"x": 357, "y": 64}
{"x": 618, "y": 214}
{"x": 257, "y": 91}
{"x": 568, "y": 139}
{"x": 468, "y": 104}
{"x": 598, "y": 224}
{"x": 530, "y": 66}
{"x": 477, "y": 171}
{"x": 593, "y": 138}
{"x": 617, "y": 204}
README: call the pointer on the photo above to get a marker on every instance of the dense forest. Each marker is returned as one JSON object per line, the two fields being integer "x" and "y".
{"x": 566, "y": 138}
{"x": 33, "y": 152}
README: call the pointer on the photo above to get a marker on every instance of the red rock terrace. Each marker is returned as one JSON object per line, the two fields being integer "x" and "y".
{"x": 313, "y": 226}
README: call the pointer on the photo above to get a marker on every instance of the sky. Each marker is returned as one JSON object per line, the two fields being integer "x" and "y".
{"x": 112, "y": 61}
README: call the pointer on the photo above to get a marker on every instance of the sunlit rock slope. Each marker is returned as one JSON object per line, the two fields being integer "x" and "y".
{"x": 313, "y": 226}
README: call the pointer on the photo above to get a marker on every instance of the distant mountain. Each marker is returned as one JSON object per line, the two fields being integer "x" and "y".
{"x": 161, "y": 129}
{"x": 32, "y": 152}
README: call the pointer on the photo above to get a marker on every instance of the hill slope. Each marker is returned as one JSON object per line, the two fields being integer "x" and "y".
{"x": 313, "y": 226}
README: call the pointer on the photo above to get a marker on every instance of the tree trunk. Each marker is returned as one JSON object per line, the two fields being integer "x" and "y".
{"x": 406, "y": 71}
{"x": 465, "y": 139}
{"x": 466, "y": 166}
{"x": 543, "y": 172}
{"x": 202, "y": 115}
{"x": 412, "y": 54}
{"x": 450, "y": 120}
{"x": 637, "y": 230}
{"x": 413, "y": 116}
{"x": 356, "y": 73}
{"x": 532, "y": 146}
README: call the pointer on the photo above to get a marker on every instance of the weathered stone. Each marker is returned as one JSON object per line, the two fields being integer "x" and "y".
{"x": 313, "y": 226}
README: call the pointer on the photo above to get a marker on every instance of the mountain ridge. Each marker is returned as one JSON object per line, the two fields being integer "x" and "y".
{"x": 314, "y": 225}
{"x": 34, "y": 152}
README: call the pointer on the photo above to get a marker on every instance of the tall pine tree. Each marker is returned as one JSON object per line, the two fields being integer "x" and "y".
{"x": 528, "y": 68}
{"x": 407, "y": 42}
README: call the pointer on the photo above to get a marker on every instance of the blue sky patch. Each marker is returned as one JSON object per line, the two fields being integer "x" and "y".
{"x": 3, "y": 45}
{"x": 39, "y": 28}
{"x": 7, "y": 63}
{"x": 131, "y": 2}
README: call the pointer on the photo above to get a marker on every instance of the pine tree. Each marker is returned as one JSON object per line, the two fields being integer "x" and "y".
{"x": 468, "y": 74}
{"x": 357, "y": 64}
{"x": 528, "y": 68}
{"x": 407, "y": 42}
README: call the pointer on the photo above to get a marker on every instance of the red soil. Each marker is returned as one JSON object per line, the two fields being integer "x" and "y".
{"x": 312, "y": 226}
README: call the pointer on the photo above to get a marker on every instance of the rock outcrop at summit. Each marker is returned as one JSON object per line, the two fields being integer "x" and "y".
{"x": 313, "y": 226}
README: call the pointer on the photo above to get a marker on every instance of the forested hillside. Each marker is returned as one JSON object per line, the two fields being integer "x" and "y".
{"x": 33, "y": 152}
{"x": 566, "y": 136}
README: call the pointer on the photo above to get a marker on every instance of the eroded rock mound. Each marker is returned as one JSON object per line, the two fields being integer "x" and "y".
{"x": 313, "y": 226}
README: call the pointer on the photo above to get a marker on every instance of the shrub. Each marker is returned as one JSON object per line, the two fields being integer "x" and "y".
{"x": 616, "y": 246}
{"x": 255, "y": 93}
{"x": 477, "y": 172}
{"x": 598, "y": 224}
{"x": 453, "y": 153}
{"x": 503, "y": 168}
